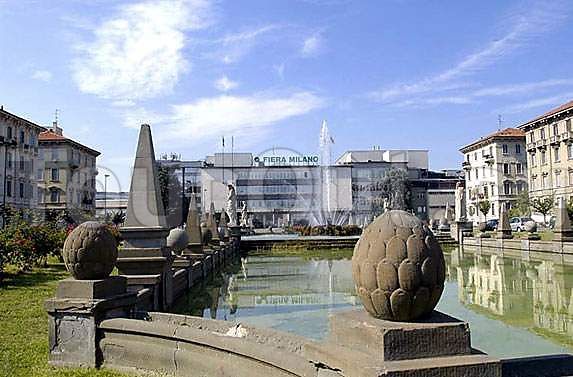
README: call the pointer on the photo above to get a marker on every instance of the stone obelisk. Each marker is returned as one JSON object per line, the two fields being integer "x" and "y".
{"x": 145, "y": 229}
{"x": 193, "y": 229}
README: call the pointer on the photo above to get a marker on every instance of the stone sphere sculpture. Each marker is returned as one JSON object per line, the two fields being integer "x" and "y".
{"x": 398, "y": 268}
{"x": 177, "y": 240}
{"x": 530, "y": 226}
{"x": 90, "y": 251}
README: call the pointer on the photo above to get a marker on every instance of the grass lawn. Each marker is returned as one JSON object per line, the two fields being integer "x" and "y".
{"x": 24, "y": 325}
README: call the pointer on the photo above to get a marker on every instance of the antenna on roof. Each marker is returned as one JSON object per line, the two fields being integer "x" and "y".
{"x": 499, "y": 121}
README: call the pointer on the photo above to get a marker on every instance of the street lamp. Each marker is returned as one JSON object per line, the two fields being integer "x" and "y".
{"x": 5, "y": 144}
{"x": 105, "y": 177}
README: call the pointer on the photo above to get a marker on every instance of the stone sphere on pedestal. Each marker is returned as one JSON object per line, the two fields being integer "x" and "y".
{"x": 90, "y": 251}
{"x": 530, "y": 226}
{"x": 177, "y": 240}
{"x": 398, "y": 267}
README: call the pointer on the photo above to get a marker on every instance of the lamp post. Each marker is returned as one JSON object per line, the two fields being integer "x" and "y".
{"x": 105, "y": 177}
{"x": 5, "y": 144}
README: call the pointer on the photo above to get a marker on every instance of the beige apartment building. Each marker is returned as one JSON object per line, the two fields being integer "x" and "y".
{"x": 549, "y": 146}
{"x": 67, "y": 178}
{"x": 19, "y": 156}
{"x": 496, "y": 171}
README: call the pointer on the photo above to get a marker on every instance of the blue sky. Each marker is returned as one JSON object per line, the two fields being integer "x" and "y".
{"x": 394, "y": 73}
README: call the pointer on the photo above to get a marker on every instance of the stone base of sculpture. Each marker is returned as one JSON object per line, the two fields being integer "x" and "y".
{"x": 75, "y": 312}
{"x": 563, "y": 236}
{"x": 145, "y": 253}
{"x": 460, "y": 229}
{"x": 436, "y": 345}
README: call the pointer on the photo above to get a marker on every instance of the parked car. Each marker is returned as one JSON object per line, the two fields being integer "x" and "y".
{"x": 517, "y": 224}
{"x": 491, "y": 225}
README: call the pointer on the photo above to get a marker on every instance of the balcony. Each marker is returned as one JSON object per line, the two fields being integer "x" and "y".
{"x": 566, "y": 136}
{"x": 531, "y": 146}
{"x": 555, "y": 139}
{"x": 466, "y": 165}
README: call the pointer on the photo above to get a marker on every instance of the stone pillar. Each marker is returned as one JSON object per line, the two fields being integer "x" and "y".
{"x": 503, "y": 228}
{"x": 82, "y": 302}
{"x": 193, "y": 229}
{"x": 74, "y": 315}
{"x": 145, "y": 251}
{"x": 562, "y": 231}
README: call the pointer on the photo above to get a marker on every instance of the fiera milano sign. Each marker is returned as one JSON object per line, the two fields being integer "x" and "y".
{"x": 287, "y": 160}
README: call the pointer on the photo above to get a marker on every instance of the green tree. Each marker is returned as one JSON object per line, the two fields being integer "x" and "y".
{"x": 170, "y": 188}
{"x": 484, "y": 207}
{"x": 522, "y": 206}
{"x": 543, "y": 205}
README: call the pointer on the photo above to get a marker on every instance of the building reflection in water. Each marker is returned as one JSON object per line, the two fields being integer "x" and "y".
{"x": 533, "y": 293}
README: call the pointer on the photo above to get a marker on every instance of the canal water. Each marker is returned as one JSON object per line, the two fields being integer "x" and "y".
{"x": 515, "y": 306}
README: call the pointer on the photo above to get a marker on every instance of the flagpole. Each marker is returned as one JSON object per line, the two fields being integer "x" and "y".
{"x": 223, "y": 157}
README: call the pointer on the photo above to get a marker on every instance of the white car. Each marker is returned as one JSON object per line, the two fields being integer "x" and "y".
{"x": 517, "y": 224}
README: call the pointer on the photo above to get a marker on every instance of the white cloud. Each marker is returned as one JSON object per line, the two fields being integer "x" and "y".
{"x": 206, "y": 119}
{"x": 225, "y": 84}
{"x": 536, "y": 103}
{"x": 280, "y": 70}
{"x": 137, "y": 53}
{"x": 42, "y": 75}
{"x": 233, "y": 47}
{"x": 312, "y": 45}
{"x": 522, "y": 27}
{"x": 512, "y": 89}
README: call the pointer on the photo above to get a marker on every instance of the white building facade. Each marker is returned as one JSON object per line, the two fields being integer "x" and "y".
{"x": 19, "y": 158}
{"x": 495, "y": 171}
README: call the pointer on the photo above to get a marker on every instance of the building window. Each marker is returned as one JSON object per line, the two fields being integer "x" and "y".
{"x": 55, "y": 174}
{"x": 568, "y": 125}
{"x": 544, "y": 182}
{"x": 8, "y": 188}
{"x": 531, "y": 136}
{"x": 9, "y": 162}
{"x": 40, "y": 194}
{"x": 54, "y": 154}
{"x": 483, "y": 171}
{"x": 533, "y": 183}
{"x": 556, "y": 156}
{"x": 477, "y": 174}
{"x": 570, "y": 177}
{"x": 542, "y": 134}
{"x": 22, "y": 138}
{"x": 505, "y": 168}
{"x": 557, "y": 179}
{"x": 22, "y": 163}
{"x": 9, "y": 133}
{"x": 507, "y": 188}
{"x": 533, "y": 162}
{"x": 21, "y": 190}
{"x": 55, "y": 196}
{"x": 504, "y": 149}
{"x": 518, "y": 148}
{"x": 493, "y": 209}
{"x": 485, "y": 192}
{"x": 570, "y": 151}
{"x": 519, "y": 187}
{"x": 555, "y": 129}
{"x": 475, "y": 156}
{"x": 543, "y": 158}
{"x": 40, "y": 174}
{"x": 519, "y": 168}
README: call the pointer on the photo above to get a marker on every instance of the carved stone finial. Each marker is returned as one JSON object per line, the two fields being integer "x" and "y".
{"x": 177, "y": 240}
{"x": 90, "y": 251}
{"x": 398, "y": 267}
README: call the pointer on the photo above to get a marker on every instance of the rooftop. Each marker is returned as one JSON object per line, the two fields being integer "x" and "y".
{"x": 51, "y": 136}
{"x": 500, "y": 134}
{"x": 565, "y": 106}
{"x": 16, "y": 117}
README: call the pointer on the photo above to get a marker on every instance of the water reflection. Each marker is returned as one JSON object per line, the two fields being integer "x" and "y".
{"x": 516, "y": 305}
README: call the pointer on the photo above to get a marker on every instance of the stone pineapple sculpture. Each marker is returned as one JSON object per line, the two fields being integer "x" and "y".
{"x": 90, "y": 251}
{"x": 398, "y": 268}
